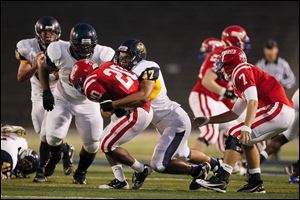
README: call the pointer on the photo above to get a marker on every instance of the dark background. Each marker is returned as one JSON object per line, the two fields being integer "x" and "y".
{"x": 171, "y": 31}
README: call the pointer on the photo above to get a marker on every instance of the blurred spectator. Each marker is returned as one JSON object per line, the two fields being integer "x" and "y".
{"x": 275, "y": 65}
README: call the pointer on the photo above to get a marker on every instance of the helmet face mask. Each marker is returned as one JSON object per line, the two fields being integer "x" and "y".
{"x": 231, "y": 57}
{"x": 82, "y": 51}
{"x": 83, "y": 39}
{"x": 46, "y": 37}
{"x": 28, "y": 161}
{"x": 47, "y": 30}
{"x": 125, "y": 59}
{"x": 130, "y": 53}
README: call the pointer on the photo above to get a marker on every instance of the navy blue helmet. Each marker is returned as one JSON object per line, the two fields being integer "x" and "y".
{"x": 135, "y": 48}
{"x": 83, "y": 39}
{"x": 28, "y": 161}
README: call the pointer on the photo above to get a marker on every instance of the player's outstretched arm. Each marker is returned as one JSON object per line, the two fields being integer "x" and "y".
{"x": 217, "y": 119}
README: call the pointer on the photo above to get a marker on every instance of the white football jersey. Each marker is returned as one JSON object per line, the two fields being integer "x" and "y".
{"x": 60, "y": 56}
{"x": 12, "y": 144}
{"x": 161, "y": 100}
{"x": 28, "y": 49}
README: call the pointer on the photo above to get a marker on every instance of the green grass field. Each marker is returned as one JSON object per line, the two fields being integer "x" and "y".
{"x": 156, "y": 186}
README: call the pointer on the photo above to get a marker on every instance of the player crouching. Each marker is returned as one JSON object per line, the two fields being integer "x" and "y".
{"x": 269, "y": 112}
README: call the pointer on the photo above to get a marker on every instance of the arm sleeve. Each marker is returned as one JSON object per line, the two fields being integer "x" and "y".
{"x": 107, "y": 54}
{"x": 53, "y": 55}
{"x": 151, "y": 74}
{"x": 21, "y": 52}
{"x": 239, "y": 106}
{"x": 251, "y": 93}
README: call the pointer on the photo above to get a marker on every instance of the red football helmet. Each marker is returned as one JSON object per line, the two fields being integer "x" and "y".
{"x": 236, "y": 36}
{"x": 210, "y": 44}
{"x": 81, "y": 69}
{"x": 231, "y": 57}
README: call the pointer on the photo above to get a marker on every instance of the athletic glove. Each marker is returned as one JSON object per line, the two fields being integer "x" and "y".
{"x": 106, "y": 106}
{"x": 121, "y": 112}
{"x": 230, "y": 94}
{"x": 48, "y": 100}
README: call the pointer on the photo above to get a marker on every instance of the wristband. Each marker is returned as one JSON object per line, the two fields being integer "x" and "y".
{"x": 246, "y": 128}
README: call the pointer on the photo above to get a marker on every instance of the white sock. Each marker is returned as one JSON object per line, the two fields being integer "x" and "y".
{"x": 118, "y": 172}
{"x": 264, "y": 154}
{"x": 227, "y": 167}
{"x": 255, "y": 171}
{"x": 137, "y": 166}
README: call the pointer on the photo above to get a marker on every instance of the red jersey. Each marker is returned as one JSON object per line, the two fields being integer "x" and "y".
{"x": 269, "y": 90}
{"x": 209, "y": 63}
{"x": 112, "y": 80}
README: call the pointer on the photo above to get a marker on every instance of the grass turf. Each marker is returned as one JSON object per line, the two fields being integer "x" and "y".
{"x": 156, "y": 186}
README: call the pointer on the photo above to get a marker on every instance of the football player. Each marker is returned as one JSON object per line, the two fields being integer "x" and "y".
{"x": 65, "y": 101}
{"x": 206, "y": 47}
{"x": 172, "y": 154}
{"x": 112, "y": 82}
{"x": 212, "y": 94}
{"x": 268, "y": 113}
{"x": 47, "y": 30}
{"x": 16, "y": 158}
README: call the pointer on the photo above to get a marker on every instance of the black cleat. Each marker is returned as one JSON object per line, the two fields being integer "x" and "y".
{"x": 194, "y": 185}
{"x": 214, "y": 183}
{"x": 115, "y": 184}
{"x": 40, "y": 177}
{"x": 139, "y": 178}
{"x": 203, "y": 174}
{"x": 79, "y": 177}
{"x": 67, "y": 159}
{"x": 253, "y": 188}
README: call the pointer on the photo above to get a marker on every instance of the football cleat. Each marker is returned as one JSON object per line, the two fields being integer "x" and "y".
{"x": 194, "y": 185}
{"x": 253, "y": 188}
{"x": 79, "y": 177}
{"x": 139, "y": 178}
{"x": 40, "y": 177}
{"x": 204, "y": 171}
{"x": 115, "y": 184}
{"x": 294, "y": 179}
{"x": 67, "y": 159}
{"x": 214, "y": 183}
{"x": 203, "y": 174}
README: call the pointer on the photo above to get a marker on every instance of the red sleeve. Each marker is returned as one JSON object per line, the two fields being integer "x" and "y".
{"x": 243, "y": 79}
{"x": 93, "y": 89}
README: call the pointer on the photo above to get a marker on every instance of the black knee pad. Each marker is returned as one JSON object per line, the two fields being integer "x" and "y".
{"x": 233, "y": 144}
